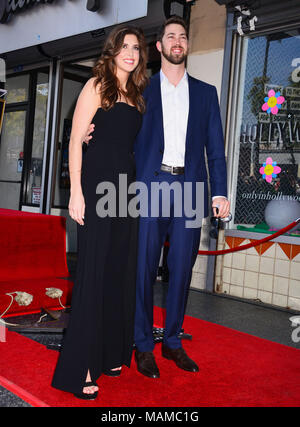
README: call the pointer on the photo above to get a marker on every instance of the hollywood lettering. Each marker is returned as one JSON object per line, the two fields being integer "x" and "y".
{"x": 10, "y": 7}
{"x": 286, "y": 133}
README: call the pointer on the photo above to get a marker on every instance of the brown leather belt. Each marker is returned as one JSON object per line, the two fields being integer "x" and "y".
{"x": 174, "y": 170}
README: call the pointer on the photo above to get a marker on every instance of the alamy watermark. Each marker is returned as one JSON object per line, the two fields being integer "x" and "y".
{"x": 165, "y": 199}
{"x": 296, "y": 332}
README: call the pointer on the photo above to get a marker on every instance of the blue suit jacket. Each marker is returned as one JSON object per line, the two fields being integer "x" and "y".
{"x": 204, "y": 131}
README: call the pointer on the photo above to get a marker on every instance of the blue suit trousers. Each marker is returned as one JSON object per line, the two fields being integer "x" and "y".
{"x": 184, "y": 245}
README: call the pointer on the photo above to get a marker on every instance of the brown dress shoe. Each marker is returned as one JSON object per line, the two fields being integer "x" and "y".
{"x": 180, "y": 357}
{"x": 146, "y": 364}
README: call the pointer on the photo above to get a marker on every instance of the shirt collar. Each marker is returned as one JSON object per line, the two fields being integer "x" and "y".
{"x": 164, "y": 79}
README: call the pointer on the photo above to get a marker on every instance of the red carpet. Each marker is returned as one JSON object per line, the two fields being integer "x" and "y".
{"x": 32, "y": 258}
{"x": 237, "y": 369}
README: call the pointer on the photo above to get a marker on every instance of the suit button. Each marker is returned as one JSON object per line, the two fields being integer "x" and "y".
{"x": 155, "y": 173}
{"x": 161, "y": 151}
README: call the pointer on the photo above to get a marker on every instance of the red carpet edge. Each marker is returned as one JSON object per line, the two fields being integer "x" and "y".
{"x": 23, "y": 394}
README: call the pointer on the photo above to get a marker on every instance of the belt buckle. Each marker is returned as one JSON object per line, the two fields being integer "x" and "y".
{"x": 172, "y": 171}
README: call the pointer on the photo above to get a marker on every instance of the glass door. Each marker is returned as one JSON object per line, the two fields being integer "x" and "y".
{"x": 32, "y": 189}
{"x": 11, "y": 158}
{"x": 22, "y": 140}
{"x": 12, "y": 141}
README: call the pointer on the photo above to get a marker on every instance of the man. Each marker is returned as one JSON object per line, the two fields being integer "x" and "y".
{"x": 182, "y": 119}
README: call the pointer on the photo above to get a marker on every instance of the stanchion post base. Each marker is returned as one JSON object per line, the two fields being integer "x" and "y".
{"x": 158, "y": 335}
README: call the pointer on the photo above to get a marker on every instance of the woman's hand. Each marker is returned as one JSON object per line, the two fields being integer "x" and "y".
{"x": 77, "y": 207}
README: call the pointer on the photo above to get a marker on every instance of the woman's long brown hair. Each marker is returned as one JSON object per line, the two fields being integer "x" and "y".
{"x": 105, "y": 70}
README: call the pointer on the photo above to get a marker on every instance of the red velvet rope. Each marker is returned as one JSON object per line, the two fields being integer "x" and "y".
{"x": 249, "y": 245}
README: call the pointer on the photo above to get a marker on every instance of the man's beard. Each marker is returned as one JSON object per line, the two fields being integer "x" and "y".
{"x": 171, "y": 57}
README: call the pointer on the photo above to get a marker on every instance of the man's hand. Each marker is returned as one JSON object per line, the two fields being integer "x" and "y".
{"x": 223, "y": 206}
{"x": 88, "y": 137}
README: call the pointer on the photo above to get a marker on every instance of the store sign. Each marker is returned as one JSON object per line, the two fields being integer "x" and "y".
{"x": 36, "y": 195}
{"x": 62, "y": 19}
{"x": 9, "y": 7}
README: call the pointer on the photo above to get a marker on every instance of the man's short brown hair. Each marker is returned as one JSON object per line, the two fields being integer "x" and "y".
{"x": 173, "y": 20}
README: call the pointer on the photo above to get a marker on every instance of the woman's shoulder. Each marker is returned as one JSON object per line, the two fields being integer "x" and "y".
{"x": 93, "y": 86}
{"x": 91, "y": 92}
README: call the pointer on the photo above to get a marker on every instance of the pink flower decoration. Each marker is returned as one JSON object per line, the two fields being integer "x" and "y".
{"x": 269, "y": 170}
{"x": 273, "y": 102}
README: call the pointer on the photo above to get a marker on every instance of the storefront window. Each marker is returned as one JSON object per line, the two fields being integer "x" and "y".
{"x": 17, "y": 89}
{"x": 267, "y": 133}
{"x": 22, "y": 139}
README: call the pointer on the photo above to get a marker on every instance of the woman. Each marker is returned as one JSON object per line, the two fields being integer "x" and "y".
{"x": 99, "y": 337}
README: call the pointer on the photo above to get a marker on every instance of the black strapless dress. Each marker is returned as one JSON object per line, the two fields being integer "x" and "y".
{"x": 100, "y": 332}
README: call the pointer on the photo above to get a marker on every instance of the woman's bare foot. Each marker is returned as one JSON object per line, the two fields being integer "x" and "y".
{"x": 90, "y": 389}
{"x": 117, "y": 369}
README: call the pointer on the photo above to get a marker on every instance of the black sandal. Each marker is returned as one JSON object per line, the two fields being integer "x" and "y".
{"x": 87, "y": 396}
{"x": 111, "y": 373}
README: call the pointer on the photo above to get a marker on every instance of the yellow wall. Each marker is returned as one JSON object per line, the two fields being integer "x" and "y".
{"x": 207, "y": 39}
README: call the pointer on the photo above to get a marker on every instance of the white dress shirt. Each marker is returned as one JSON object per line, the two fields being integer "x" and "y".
{"x": 175, "y": 105}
